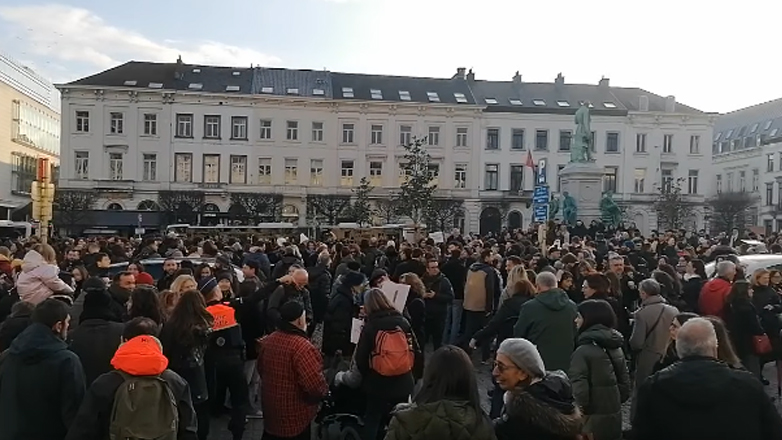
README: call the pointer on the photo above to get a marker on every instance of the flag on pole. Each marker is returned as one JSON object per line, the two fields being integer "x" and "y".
{"x": 530, "y": 163}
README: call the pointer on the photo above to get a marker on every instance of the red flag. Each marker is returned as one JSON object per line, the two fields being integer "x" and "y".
{"x": 530, "y": 163}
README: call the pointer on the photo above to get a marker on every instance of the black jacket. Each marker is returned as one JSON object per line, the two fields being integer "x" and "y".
{"x": 282, "y": 266}
{"x": 703, "y": 399}
{"x": 337, "y": 322}
{"x": 437, "y": 306}
{"x": 11, "y": 328}
{"x": 502, "y": 323}
{"x": 375, "y": 385}
{"x": 691, "y": 291}
{"x": 743, "y": 323}
{"x": 762, "y": 298}
{"x": 119, "y": 303}
{"x": 95, "y": 341}
{"x": 94, "y": 417}
{"x": 456, "y": 272}
{"x": 411, "y": 266}
{"x": 249, "y": 314}
{"x": 41, "y": 386}
{"x": 187, "y": 360}
{"x": 542, "y": 411}
{"x": 320, "y": 288}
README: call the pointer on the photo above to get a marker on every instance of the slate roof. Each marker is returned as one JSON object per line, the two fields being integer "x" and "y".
{"x": 390, "y": 86}
{"x": 739, "y": 123}
{"x": 511, "y": 96}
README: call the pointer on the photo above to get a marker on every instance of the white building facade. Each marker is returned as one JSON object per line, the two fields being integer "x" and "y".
{"x": 141, "y": 129}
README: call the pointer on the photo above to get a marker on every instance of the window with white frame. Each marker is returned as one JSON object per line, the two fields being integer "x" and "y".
{"x": 610, "y": 177}
{"x": 541, "y": 140}
{"x": 492, "y": 138}
{"x": 317, "y": 132}
{"x": 239, "y": 128}
{"x": 292, "y": 132}
{"x": 692, "y": 182}
{"x": 150, "y": 124}
{"x": 212, "y": 127}
{"x": 612, "y": 142}
{"x": 565, "y": 137}
{"x": 316, "y": 172}
{"x": 667, "y": 178}
{"x": 348, "y": 133}
{"x": 460, "y": 175}
{"x": 115, "y": 166}
{"x": 640, "y": 180}
{"x": 755, "y": 180}
{"x": 742, "y": 180}
{"x": 346, "y": 171}
{"x": 492, "y": 177}
{"x": 640, "y": 143}
{"x": 668, "y": 143}
{"x": 150, "y": 167}
{"x": 184, "y": 126}
{"x": 695, "y": 144}
{"x": 238, "y": 169}
{"x": 82, "y": 163}
{"x": 211, "y": 168}
{"x": 291, "y": 171}
{"x": 117, "y": 123}
{"x": 376, "y": 134}
{"x": 719, "y": 183}
{"x": 265, "y": 171}
{"x": 434, "y": 136}
{"x": 183, "y": 171}
{"x": 405, "y": 134}
{"x": 433, "y": 171}
{"x": 266, "y": 129}
{"x": 461, "y": 136}
{"x": 82, "y": 121}
{"x": 376, "y": 173}
{"x": 729, "y": 182}
{"x": 404, "y": 173}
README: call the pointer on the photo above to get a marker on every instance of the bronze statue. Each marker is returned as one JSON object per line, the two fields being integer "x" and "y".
{"x": 569, "y": 209}
{"x": 581, "y": 144}
{"x": 611, "y": 213}
{"x": 553, "y": 208}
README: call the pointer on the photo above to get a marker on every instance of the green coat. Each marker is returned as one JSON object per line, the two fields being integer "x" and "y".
{"x": 444, "y": 419}
{"x": 549, "y": 321}
{"x": 598, "y": 373}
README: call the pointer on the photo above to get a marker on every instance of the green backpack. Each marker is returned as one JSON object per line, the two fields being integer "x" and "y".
{"x": 144, "y": 409}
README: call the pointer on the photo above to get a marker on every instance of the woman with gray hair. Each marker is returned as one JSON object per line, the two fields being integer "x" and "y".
{"x": 537, "y": 404}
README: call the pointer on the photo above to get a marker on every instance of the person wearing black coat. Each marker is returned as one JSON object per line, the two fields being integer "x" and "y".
{"x": 691, "y": 291}
{"x": 768, "y": 304}
{"x": 284, "y": 264}
{"x": 743, "y": 323}
{"x": 339, "y": 315}
{"x": 20, "y": 319}
{"x": 41, "y": 381}
{"x": 98, "y": 336}
{"x": 455, "y": 270}
{"x": 320, "y": 288}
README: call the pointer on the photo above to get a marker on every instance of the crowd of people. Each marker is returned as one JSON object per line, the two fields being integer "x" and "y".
{"x": 243, "y": 327}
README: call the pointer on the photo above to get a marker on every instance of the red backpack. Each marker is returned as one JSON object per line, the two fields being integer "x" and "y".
{"x": 393, "y": 354}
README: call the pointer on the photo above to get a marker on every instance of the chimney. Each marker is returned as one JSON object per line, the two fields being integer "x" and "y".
{"x": 179, "y": 60}
{"x": 470, "y": 76}
{"x": 560, "y": 80}
{"x": 670, "y": 104}
{"x": 643, "y": 103}
{"x": 603, "y": 82}
{"x": 517, "y": 78}
{"x": 460, "y": 73}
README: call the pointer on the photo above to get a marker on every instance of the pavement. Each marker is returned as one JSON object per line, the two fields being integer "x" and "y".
{"x": 254, "y": 430}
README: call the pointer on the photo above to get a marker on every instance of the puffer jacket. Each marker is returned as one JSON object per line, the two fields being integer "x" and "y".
{"x": 600, "y": 380}
{"x": 444, "y": 419}
{"x": 39, "y": 280}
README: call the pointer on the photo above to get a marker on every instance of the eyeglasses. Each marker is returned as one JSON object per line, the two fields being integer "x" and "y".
{"x": 502, "y": 367}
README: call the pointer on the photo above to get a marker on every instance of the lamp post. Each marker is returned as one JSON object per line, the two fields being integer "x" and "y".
{"x": 42, "y": 193}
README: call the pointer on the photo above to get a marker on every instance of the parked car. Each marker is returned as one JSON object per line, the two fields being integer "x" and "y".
{"x": 750, "y": 263}
{"x": 154, "y": 266}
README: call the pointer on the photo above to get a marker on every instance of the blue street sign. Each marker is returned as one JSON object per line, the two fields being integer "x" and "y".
{"x": 540, "y": 179}
{"x": 541, "y": 213}
{"x": 541, "y": 195}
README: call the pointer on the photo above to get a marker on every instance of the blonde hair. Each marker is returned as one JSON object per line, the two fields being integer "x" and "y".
{"x": 415, "y": 283}
{"x": 759, "y": 273}
{"x": 47, "y": 252}
{"x": 375, "y": 300}
{"x": 176, "y": 286}
{"x": 518, "y": 273}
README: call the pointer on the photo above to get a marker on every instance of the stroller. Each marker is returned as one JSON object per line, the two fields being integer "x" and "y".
{"x": 341, "y": 415}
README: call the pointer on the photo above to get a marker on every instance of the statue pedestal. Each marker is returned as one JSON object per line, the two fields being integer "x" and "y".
{"x": 584, "y": 182}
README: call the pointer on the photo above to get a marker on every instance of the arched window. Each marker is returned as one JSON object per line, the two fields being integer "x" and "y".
{"x": 114, "y": 207}
{"x": 148, "y": 205}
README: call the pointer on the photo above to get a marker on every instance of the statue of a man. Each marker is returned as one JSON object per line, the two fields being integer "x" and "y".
{"x": 611, "y": 212}
{"x": 553, "y": 208}
{"x": 581, "y": 148}
{"x": 569, "y": 209}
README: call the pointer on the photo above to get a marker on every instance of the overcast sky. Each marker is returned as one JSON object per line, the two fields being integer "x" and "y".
{"x": 715, "y": 56}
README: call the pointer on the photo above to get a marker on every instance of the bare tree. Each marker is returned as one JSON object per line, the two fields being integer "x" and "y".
{"x": 257, "y": 207}
{"x": 74, "y": 206}
{"x": 328, "y": 207}
{"x": 387, "y": 210}
{"x": 730, "y": 210}
{"x": 442, "y": 214}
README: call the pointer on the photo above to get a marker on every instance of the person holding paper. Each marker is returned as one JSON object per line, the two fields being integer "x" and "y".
{"x": 340, "y": 312}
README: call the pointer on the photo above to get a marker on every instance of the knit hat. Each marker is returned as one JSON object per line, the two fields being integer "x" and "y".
{"x": 145, "y": 279}
{"x": 207, "y": 285}
{"x": 291, "y": 311}
{"x": 524, "y": 355}
{"x": 352, "y": 279}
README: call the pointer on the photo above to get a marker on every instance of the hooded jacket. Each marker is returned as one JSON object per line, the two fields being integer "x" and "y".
{"x": 711, "y": 302}
{"x": 99, "y": 334}
{"x": 601, "y": 382}
{"x": 548, "y": 321}
{"x": 703, "y": 398}
{"x": 444, "y": 419}
{"x": 39, "y": 280}
{"x": 479, "y": 289}
{"x": 41, "y": 386}
{"x": 140, "y": 356}
{"x": 544, "y": 410}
